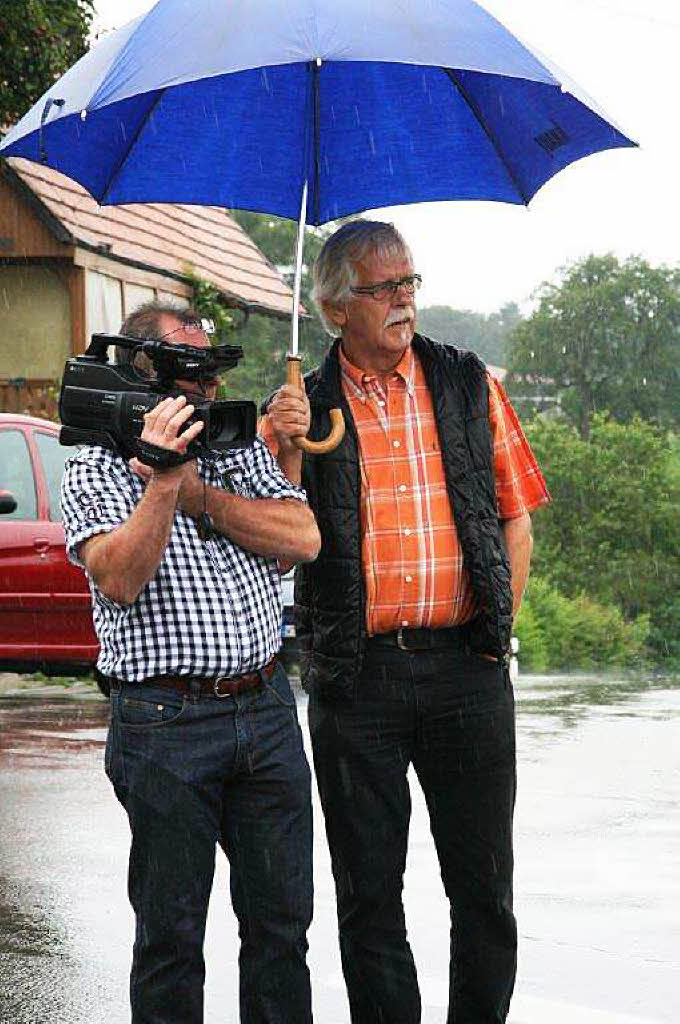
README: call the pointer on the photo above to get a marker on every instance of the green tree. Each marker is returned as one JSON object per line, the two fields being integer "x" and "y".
{"x": 613, "y": 530}
{"x": 276, "y": 237}
{"x": 485, "y": 335}
{"x": 266, "y": 340}
{"x": 606, "y": 337}
{"x": 39, "y": 40}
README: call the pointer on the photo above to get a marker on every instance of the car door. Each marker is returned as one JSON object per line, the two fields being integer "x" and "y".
{"x": 66, "y": 630}
{"x": 24, "y": 588}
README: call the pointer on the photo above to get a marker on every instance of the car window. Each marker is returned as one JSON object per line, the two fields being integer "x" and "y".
{"x": 16, "y": 475}
{"x": 53, "y": 456}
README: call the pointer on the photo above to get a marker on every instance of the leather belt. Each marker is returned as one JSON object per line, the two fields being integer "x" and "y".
{"x": 408, "y": 638}
{"x": 216, "y": 686}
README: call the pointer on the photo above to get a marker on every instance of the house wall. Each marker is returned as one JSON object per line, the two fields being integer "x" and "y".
{"x": 35, "y": 322}
{"x": 54, "y": 294}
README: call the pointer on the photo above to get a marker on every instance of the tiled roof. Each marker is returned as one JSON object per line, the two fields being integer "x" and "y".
{"x": 163, "y": 237}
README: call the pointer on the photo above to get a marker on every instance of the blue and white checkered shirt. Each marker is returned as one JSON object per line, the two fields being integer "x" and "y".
{"x": 212, "y": 608}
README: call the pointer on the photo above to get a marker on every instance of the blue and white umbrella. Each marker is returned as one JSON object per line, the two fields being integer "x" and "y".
{"x": 312, "y": 109}
{"x": 371, "y": 102}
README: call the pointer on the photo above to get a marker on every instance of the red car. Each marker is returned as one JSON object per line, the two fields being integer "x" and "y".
{"x": 45, "y": 608}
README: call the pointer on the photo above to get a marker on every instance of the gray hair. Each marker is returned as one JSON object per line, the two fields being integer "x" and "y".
{"x": 334, "y": 271}
{"x": 143, "y": 322}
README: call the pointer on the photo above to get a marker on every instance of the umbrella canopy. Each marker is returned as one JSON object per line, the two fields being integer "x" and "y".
{"x": 370, "y": 102}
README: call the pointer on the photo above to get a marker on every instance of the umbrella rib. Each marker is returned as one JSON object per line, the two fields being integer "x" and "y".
{"x": 487, "y": 131}
{"x": 125, "y": 155}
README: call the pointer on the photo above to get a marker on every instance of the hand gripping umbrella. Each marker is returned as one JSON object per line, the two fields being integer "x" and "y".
{"x": 312, "y": 110}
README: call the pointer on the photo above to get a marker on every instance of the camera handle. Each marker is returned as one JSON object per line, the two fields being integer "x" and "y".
{"x": 294, "y": 377}
{"x": 156, "y": 457}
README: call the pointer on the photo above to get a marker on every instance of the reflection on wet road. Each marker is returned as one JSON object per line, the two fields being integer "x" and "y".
{"x": 598, "y": 890}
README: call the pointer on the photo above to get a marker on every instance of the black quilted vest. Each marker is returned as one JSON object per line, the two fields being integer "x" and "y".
{"x": 329, "y": 593}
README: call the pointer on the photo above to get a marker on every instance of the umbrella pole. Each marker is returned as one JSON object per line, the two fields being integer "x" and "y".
{"x": 298, "y": 273}
{"x": 293, "y": 360}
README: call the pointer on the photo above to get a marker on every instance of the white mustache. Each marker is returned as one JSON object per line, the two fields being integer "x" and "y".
{"x": 395, "y": 316}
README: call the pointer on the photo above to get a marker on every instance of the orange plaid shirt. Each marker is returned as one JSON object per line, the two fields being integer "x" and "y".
{"x": 411, "y": 556}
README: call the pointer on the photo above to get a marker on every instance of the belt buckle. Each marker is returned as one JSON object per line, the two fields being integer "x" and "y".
{"x": 400, "y": 640}
{"x": 216, "y": 683}
{"x": 403, "y": 646}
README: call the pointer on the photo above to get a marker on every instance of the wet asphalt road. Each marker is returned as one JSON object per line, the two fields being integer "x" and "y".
{"x": 598, "y": 883}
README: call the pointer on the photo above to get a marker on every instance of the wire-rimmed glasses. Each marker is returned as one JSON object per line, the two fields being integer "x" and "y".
{"x": 382, "y": 290}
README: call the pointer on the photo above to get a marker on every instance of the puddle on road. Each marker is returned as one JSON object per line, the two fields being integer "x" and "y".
{"x": 570, "y": 699}
{"x": 38, "y": 733}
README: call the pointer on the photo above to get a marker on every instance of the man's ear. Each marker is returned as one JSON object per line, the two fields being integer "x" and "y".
{"x": 335, "y": 312}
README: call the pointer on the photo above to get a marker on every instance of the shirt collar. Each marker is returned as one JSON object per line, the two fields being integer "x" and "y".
{"x": 359, "y": 379}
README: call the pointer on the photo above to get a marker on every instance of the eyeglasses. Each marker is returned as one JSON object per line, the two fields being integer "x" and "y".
{"x": 387, "y": 289}
{"x": 202, "y": 326}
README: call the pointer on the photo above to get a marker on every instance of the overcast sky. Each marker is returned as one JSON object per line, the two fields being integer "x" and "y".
{"x": 625, "y": 54}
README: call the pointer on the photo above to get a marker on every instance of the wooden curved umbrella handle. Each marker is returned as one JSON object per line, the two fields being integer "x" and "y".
{"x": 294, "y": 376}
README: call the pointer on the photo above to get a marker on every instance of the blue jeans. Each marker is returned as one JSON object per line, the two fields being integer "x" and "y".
{"x": 451, "y": 715}
{"x": 193, "y": 772}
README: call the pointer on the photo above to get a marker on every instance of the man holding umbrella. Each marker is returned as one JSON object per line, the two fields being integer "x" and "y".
{"x": 405, "y": 621}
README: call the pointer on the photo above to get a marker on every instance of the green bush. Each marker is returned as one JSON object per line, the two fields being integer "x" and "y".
{"x": 533, "y": 650}
{"x": 664, "y": 634}
{"x": 613, "y": 530}
{"x": 558, "y": 632}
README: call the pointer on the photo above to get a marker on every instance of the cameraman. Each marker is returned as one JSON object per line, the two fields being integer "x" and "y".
{"x": 204, "y": 745}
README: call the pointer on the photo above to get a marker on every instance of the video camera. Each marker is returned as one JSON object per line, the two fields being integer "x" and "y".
{"x": 104, "y": 403}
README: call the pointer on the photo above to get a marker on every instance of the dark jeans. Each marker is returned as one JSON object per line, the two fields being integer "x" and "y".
{"x": 192, "y": 773}
{"x": 452, "y": 716}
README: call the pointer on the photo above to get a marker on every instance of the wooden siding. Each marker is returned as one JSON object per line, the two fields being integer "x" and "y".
{"x": 76, "y": 288}
{"x": 22, "y": 234}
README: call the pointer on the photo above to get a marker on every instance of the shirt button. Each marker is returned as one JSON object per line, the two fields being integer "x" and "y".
{"x": 380, "y": 402}
{"x": 409, "y": 579}
{"x": 402, "y": 487}
{"x": 396, "y": 444}
{"x": 407, "y": 532}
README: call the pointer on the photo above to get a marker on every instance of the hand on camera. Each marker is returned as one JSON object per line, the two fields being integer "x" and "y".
{"x": 163, "y": 428}
{"x": 289, "y": 415}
